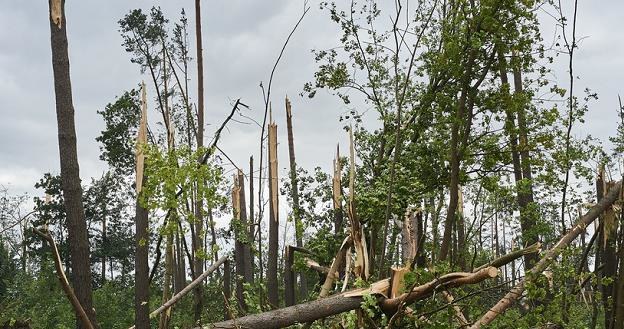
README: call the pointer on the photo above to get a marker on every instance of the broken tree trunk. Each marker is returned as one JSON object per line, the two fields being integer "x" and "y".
{"x": 542, "y": 264}
{"x": 324, "y": 307}
{"x": 238, "y": 225}
{"x": 272, "y": 286}
{"x": 245, "y": 224}
{"x": 362, "y": 265}
{"x": 141, "y": 267}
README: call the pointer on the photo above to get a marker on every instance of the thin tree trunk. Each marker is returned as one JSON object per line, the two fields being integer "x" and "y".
{"x": 451, "y": 216}
{"x": 238, "y": 226}
{"x": 421, "y": 236}
{"x": 272, "y": 286}
{"x": 525, "y": 190}
{"x": 103, "y": 248}
{"x": 227, "y": 289}
{"x": 303, "y": 284}
{"x": 199, "y": 216}
{"x": 618, "y": 289}
{"x": 461, "y": 232}
{"x": 337, "y": 193}
{"x": 289, "y": 277}
{"x": 251, "y": 220}
{"x": 70, "y": 170}
{"x": 165, "y": 316}
{"x": 180, "y": 264}
{"x": 248, "y": 264}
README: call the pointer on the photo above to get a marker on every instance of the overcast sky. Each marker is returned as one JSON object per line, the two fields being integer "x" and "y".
{"x": 242, "y": 40}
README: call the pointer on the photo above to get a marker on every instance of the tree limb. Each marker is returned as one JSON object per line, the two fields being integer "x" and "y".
{"x": 69, "y": 292}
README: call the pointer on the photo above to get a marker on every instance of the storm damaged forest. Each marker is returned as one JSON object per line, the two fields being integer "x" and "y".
{"x": 317, "y": 164}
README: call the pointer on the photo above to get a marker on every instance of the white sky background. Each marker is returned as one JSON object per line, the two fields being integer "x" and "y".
{"x": 241, "y": 42}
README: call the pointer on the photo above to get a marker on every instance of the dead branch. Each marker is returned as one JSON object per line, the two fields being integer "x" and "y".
{"x": 508, "y": 258}
{"x": 338, "y": 260}
{"x": 314, "y": 265}
{"x": 69, "y": 292}
{"x": 187, "y": 289}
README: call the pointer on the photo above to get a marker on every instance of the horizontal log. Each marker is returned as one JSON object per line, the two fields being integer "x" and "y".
{"x": 325, "y": 307}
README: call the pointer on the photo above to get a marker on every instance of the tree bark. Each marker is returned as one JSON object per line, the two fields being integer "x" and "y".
{"x": 198, "y": 262}
{"x": 227, "y": 289}
{"x": 525, "y": 190}
{"x": 70, "y": 170}
{"x": 141, "y": 277}
{"x": 289, "y": 277}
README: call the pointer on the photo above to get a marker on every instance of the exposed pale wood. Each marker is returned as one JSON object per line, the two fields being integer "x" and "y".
{"x": 239, "y": 246}
{"x": 459, "y": 314}
{"x": 408, "y": 238}
{"x": 56, "y": 13}
{"x": 187, "y": 289}
{"x": 312, "y": 264}
{"x": 141, "y": 141}
{"x": 397, "y": 284}
{"x": 333, "y": 270}
{"x": 272, "y": 285}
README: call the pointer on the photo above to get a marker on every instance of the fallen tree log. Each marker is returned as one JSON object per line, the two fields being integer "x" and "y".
{"x": 324, "y": 307}
{"x": 517, "y": 291}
